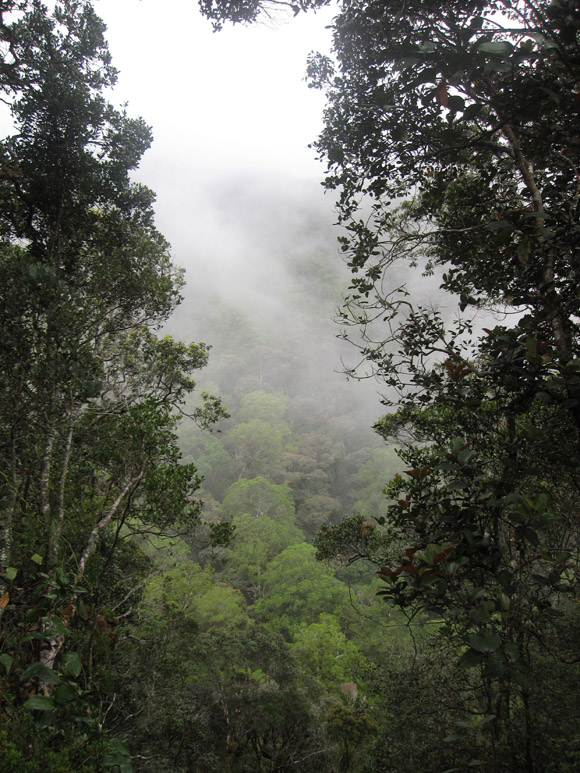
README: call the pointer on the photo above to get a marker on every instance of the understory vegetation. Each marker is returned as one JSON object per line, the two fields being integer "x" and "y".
{"x": 214, "y": 563}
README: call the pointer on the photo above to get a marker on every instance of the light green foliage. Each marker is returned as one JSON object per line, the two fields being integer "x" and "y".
{"x": 373, "y": 476}
{"x": 228, "y": 695}
{"x": 310, "y": 463}
{"x": 263, "y": 406}
{"x": 297, "y": 589}
{"x": 263, "y": 516}
{"x": 220, "y": 606}
{"x": 315, "y": 511}
{"x": 465, "y": 113}
{"x": 382, "y": 632}
{"x": 175, "y": 590}
{"x": 256, "y": 542}
{"x": 345, "y": 478}
{"x": 258, "y": 448}
{"x": 304, "y": 413}
{"x": 189, "y": 593}
{"x": 213, "y": 462}
{"x": 165, "y": 552}
{"x": 258, "y": 497}
{"x": 323, "y": 650}
{"x": 351, "y": 726}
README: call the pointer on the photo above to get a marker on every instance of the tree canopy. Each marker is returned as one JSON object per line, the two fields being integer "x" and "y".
{"x": 89, "y": 393}
{"x": 451, "y": 139}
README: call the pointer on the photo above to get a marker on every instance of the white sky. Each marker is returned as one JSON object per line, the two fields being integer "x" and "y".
{"x": 219, "y": 103}
{"x": 232, "y": 119}
{"x": 237, "y": 185}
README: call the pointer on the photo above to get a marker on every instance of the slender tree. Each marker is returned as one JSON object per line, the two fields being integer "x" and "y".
{"x": 89, "y": 394}
{"x": 451, "y": 138}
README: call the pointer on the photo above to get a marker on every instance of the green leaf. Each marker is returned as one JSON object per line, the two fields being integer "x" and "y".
{"x": 485, "y": 641}
{"x": 471, "y": 111}
{"x": 519, "y": 676}
{"x": 336, "y": 155}
{"x": 72, "y": 664}
{"x": 523, "y": 249}
{"x": 6, "y": 661}
{"x": 36, "y": 558}
{"x": 53, "y": 626}
{"x": 499, "y": 225}
{"x": 470, "y": 659}
{"x": 40, "y": 671}
{"x": 456, "y": 444}
{"x": 511, "y": 650}
{"x": 118, "y": 761}
{"x": 120, "y": 747}
{"x": 430, "y": 552}
{"x": 457, "y": 485}
{"x": 400, "y": 133}
{"x": 506, "y": 580}
{"x": 65, "y": 693}
{"x": 479, "y": 614}
{"x": 39, "y": 703}
{"x": 456, "y": 104}
{"x": 82, "y": 609}
{"x": 11, "y": 573}
{"x": 544, "y": 397}
{"x": 465, "y": 455}
{"x": 525, "y": 533}
{"x": 495, "y": 665}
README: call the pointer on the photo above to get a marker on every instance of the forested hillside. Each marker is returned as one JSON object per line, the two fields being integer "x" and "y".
{"x": 211, "y": 560}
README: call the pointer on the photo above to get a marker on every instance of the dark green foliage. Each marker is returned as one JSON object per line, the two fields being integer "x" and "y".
{"x": 247, "y": 11}
{"x": 265, "y": 659}
{"x": 350, "y": 727}
{"x": 88, "y": 393}
{"x": 297, "y": 589}
{"x": 466, "y": 114}
{"x": 223, "y": 699}
{"x": 39, "y": 758}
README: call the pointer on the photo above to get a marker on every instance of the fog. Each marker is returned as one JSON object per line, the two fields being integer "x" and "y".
{"x": 238, "y": 189}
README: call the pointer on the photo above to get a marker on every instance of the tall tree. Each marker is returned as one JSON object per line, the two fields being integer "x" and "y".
{"x": 88, "y": 394}
{"x": 465, "y": 114}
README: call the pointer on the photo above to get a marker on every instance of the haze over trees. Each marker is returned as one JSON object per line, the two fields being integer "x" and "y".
{"x": 451, "y": 139}
{"x": 143, "y": 630}
{"x": 89, "y": 392}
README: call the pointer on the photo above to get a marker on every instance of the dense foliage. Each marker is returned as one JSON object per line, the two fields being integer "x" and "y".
{"x": 451, "y": 138}
{"x": 123, "y": 645}
{"x": 88, "y": 392}
{"x": 134, "y": 635}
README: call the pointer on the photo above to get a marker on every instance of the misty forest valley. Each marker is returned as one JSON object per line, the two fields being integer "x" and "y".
{"x": 311, "y": 502}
